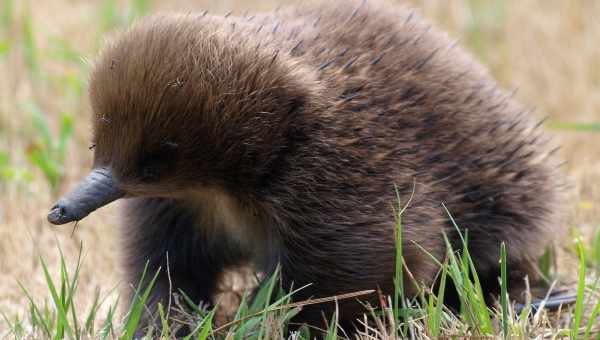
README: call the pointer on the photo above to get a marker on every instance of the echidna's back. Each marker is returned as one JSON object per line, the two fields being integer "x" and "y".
{"x": 408, "y": 104}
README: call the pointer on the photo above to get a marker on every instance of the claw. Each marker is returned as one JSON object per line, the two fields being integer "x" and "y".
{"x": 551, "y": 303}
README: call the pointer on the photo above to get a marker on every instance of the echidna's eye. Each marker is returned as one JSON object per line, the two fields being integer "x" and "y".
{"x": 156, "y": 164}
{"x": 150, "y": 173}
{"x": 151, "y": 168}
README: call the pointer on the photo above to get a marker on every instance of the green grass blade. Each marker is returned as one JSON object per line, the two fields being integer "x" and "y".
{"x": 164, "y": 321}
{"x": 8, "y": 322}
{"x": 75, "y": 322}
{"x": 593, "y": 317}
{"x": 206, "y": 326}
{"x": 195, "y": 308}
{"x": 15, "y": 328}
{"x": 137, "y": 308}
{"x": 572, "y": 126}
{"x": 70, "y": 286}
{"x": 243, "y": 308}
{"x": 266, "y": 301}
{"x": 39, "y": 122}
{"x": 29, "y": 44}
{"x": 41, "y": 159}
{"x": 64, "y": 52}
{"x": 579, "y": 304}
{"x": 46, "y": 154}
{"x": 332, "y": 329}
{"x": 5, "y": 46}
{"x": 66, "y": 132}
{"x": 36, "y": 314}
{"x": 91, "y": 315}
{"x": 6, "y": 14}
{"x": 436, "y": 314}
{"x": 107, "y": 328}
{"x": 545, "y": 264}
{"x": 399, "y": 308}
{"x": 139, "y": 9}
{"x": 62, "y": 323}
{"x": 108, "y": 15}
{"x": 595, "y": 251}
{"x": 504, "y": 291}
{"x": 473, "y": 287}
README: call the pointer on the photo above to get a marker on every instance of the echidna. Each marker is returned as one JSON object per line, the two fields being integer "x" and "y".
{"x": 288, "y": 138}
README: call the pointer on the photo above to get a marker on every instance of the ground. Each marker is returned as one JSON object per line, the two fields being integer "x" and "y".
{"x": 545, "y": 48}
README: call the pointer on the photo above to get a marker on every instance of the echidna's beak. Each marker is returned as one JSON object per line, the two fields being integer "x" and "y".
{"x": 94, "y": 191}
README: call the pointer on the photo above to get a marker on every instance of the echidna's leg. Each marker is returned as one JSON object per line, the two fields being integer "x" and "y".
{"x": 163, "y": 236}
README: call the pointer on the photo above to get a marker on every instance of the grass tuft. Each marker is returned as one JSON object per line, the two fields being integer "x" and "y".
{"x": 30, "y": 52}
{"x": 268, "y": 314}
{"x": 48, "y": 152}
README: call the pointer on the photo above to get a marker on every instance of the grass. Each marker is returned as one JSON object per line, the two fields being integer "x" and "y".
{"x": 48, "y": 152}
{"x": 6, "y": 20}
{"x": 9, "y": 173}
{"x": 504, "y": 292}
{"x": 44, "y": 136}
{"x": 268, "y": 313}
{"x": 571, "y": 126}
{"x": 580, "y": 293}
{"x": 30, "y": 53}
{"x": 112, "y": 14}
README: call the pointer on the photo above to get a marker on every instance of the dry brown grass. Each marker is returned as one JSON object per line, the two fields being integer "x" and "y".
{"x": 548, "y": 48}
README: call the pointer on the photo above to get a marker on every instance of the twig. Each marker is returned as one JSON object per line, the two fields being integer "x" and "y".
{"x": 294, "y": 305}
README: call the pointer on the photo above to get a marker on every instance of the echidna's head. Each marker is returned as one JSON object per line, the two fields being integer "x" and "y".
{"x": 180, "y": 102}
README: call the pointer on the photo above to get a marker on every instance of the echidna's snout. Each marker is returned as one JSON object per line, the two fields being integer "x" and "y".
{"x": 94, "y": 191}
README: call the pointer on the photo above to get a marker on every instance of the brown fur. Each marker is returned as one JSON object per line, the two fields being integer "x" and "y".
{"x": 280, "y": 138}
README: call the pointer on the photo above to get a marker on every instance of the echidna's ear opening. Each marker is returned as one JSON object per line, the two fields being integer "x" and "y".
{"x": 94, "y": 191}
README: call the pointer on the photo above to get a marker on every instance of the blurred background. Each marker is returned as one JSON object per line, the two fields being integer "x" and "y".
{"x": 548, "y": 49}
